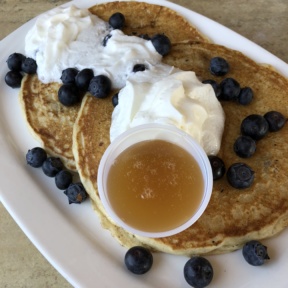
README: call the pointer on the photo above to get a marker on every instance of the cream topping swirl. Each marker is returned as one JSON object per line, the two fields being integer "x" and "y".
{"x": 73, "y": 37}
{"x": 180, "y": 100}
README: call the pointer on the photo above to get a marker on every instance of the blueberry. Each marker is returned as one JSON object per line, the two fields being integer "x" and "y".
{"x": 76, "y": 193}
{"x": 275, "y": 120}
{"x": 83, "y": 79}
{"x": 139, "y": 68}
{"x": 13, "y": 79}
{"x": 69, "y": 95}
{"x": 245, "y": 96}
{"x": 161, "y": 44}
{"x": 255, "y": 126}
{"x": 218, "y": 167}
{"x": 219, "y": 66}
{"x": 100, "y": 86}
{"x": 51, "y": 166}
{"x": 14, "y": 61}
{"x": 117, "y": 20}
{"x": 244, "y": 146}
{"x": 105, "y": 40}
{"x": 115, "y": 99}
{"x": 255, "y": 253}
{"x": 215, "y": 86}
{"x": 138, "y": 260}
{"x": 35, "y": 157}
{"x": 29, "y": 66}
{"x": 63, "y": 179}
{"x": 198, "y": 272}
{"x": 68, "y": 75}
{"x": 240, "y": 175}
{"x": 230, "y": 89}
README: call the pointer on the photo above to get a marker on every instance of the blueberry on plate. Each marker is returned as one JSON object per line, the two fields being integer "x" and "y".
{"x": 198, "y": 272}
{"x": 68, "y": 75}
{"x": 13, "y": 79}
{"x": 219, "y": 66}
{"x": 83, "y": 79}
{"x": 244, "y": 146}
{"x": 69, "y": 95}
{"x": 100, "y": 86}
{"x": 230, "y": 89}
{"x": 29, "y": 66}
{"x": 14, "y": 61}
{"x": 275, "y": 120}
{"x": 218, "y": 166}
{"x": 245, "y": 96}
{"x": 215, "y": 86}
{"x": 255, "y": 126}
{"x": 76, "y": 193}
{"x": 117, "y": 20}
{"x": 115, "y": 99}
{"x": 240, "y": 175}
{"x": 138, "y": 260}
{"x": 255, "y": 253}
{"x": 63, "y": 179}
{"x": 161, "y": 44}
{"x": 51, "y": 166}
{"x": 35, "y": 157}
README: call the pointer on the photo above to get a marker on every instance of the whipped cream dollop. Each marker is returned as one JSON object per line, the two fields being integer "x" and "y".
{"x": 179, "y": 99}
{"x": 73, "y": 37}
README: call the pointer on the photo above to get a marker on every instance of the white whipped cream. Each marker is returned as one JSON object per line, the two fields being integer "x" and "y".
{"x": 180, "y": 100}
{"x": 72, "y": 37}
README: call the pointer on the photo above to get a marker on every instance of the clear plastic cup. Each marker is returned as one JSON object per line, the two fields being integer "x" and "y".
{"x": 146, "y": 132}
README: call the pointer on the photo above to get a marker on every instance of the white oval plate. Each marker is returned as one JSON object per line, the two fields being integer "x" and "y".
{"x": 70, "y": 236}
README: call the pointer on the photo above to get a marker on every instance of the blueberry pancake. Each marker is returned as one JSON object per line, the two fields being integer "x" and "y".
{"x": 233, "y": 216}
{"x": 147, "y": 19}
{"x": 50, "y": 122}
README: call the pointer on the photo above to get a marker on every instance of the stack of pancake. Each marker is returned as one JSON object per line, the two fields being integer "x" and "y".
{"x": 79, "y": 135}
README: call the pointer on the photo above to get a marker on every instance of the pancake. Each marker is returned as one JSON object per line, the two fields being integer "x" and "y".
{"x": 143, "y": 18}
{"x": 233, "y": 216}
{"x": 49, "y": 121}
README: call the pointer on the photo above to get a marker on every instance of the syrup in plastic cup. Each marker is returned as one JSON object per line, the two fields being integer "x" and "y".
{"x": 146, "y": 132}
